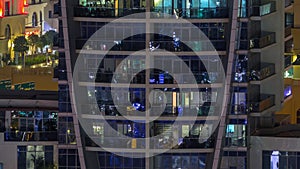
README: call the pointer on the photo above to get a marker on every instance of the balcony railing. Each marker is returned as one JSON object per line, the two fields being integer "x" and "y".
{"x": 264, "y": 9}
{"x": 169, "y": 110}
{"x": 185, "y": 78}
{"x": 287, "y": 30}
{"x": 200, "y": 45}
{"x": 115, "y": 142}
{"x": 111, "y": 77}
{"x": 266, "y": 70}
{"x": 31, "y": 136}
{"x": 156, "y": 110}
{"x": 187, "y": 143}
{"x": 265, "y": 39}
{"x": 126, "y": 45}
{"x": 287, "y": 61}
{"x": 195, "y": 13}
{"x": 266, "y": 101}
{"x": 235, "y": 141}
{"x": 105, "y": 12}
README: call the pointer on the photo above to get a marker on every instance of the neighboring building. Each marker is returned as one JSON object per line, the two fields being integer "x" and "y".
{"x": 251, "y": 49}
{"x": 40, "y": 17}
{"x": 291, "y": 109}
{"x": 12, "y": 24}
{"x": 28, "y": 129}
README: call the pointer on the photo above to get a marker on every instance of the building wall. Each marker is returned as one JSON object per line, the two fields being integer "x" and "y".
{"x": 43, "y": 77}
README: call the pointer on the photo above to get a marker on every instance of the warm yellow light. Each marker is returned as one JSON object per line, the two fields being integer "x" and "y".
{"x": 294, "y": 58}
{"x": 1, "y": 12}
{"x": 19, "y": 67}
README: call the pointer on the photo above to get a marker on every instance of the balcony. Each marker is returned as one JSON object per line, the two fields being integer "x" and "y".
{"x": 287, "y": 61}
{"x": 204, "y": 110}
{"x": 201, "y": 45}
{"x": 265, "y": 101}
{"x": 265, "y": 9}
{"x": 31, "y": 136}
{"x": 188, "y": 142}
{"x": 110, "y": 77}
{"x": 102, "y": 45}
{"x": 106, "y": 12}
{"x": 288, "y": 31}
{"x": 265, "y": 70}
{"x": 193, "y": 13}
{"x": 112, "y": 110}
{"x": 265, "y": 39}
{"x": 185, "y": 78}
{"x": 115, "y": 142}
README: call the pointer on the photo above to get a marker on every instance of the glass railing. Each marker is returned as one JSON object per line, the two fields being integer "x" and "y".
{"x": 287, "y": 30}
{"x": 239, "y": 109}
{"x": 185, "y": 78}
{"x": 156, "y": 110}
{"x": 287, "y": 61}
{"x": 265, "y": 39}
{"x": 112, "y": 110}
{"x": 266, "y": 101}
{"x": 169, "y": 110}
{"x": 115, "y": 142}
{"x": 200, "y": 45}
{"x": 264, "y": 9}
{"x": 194, "y": 13}
{"x": 126, "y": 45}
{"x": 193, "y": 142}
{"x": 30, "y": 136}
{"x": 235, "y": 141}
{"x": 266, "y": 70}
{"x": 106, "y": 12}
{"x": 111, "y": 77}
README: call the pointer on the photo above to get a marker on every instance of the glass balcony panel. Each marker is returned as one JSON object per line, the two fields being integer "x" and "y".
{"x": 265, "y": 39}
{"x": 193, "y": 13}
{"x": 287, "y": 30}
{"x": 266, "y": 70}
{"x": 263, "y": 9}
{"x": 106, "y": 12}
{"x": 266, "y": 101}
{"x": 30, "y": 136}
{"x": 287, "y": 61}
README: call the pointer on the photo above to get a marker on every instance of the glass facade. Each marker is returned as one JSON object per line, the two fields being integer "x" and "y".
{"x": 35, "y": 156}
{"x": 185, "y": 160}
{"x": 32, "y": 126}
{"x": 126, "y": 161}
{"x": 117, "y": 113}
{"x": 68, "y": 158}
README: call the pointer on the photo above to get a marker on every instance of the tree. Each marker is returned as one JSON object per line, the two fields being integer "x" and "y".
{"x": 42, "y": 42}
{"x": 21, "y": 46}
{"x": 51, "y": 38}
{"x": 32, "y": 41}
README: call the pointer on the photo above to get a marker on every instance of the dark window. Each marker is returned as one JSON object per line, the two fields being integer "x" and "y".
{"x": 34, "y": 20}
{"x": 50, "y": 14}
{"x": 7, "y": 9}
